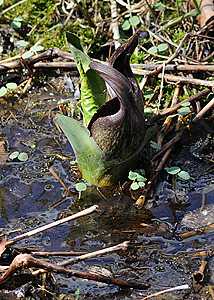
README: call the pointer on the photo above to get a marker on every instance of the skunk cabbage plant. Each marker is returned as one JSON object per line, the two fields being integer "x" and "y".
{"x": 111, "y": 144}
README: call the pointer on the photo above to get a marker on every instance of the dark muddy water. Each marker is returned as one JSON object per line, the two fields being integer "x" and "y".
{"x": 31, "y": 196}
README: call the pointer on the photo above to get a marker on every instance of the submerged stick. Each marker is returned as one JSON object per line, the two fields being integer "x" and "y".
{"x": 28, "y": 261}
{"x": 51, "y": 225}
{"x": 122, "y": 246}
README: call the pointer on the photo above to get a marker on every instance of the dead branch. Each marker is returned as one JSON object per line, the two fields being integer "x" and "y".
{"x": 51, "y": 225}
{"x": 122, "y": 246}
{"x": 174, "y": 108}
{"x": 177, "y": 288}
{"x": 28, "y": 261}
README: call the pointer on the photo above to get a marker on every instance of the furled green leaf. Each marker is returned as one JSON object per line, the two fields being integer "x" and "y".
{"x": 91, "y": 160}
{"x": 92, "y": 85}
{"x": 78, "y": 50}
{"x": 92, "y": 94}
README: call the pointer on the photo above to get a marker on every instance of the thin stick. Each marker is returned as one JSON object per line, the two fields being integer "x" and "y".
{"x": 159, "y": 69}
{"x": 12, "y": 6}
{"x": 141, "y": 200}
{"x": 51, "y": 225}
{"x": 62, "y": 183}
{"x": 177, "y": 288}
{"x": 204, "y": 110}
{"x": 174, "y": 108}
{"x": 28, "y": 261}
{"x": 122, "y": 246}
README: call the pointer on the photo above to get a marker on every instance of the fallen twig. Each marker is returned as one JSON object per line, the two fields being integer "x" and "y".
{"x": 122, "y": 246}
{"x": 28, "y": 261}
{"x": 51, "y": 225}
{"x": 174, "y": 108}
{"x": 177, "y": 288}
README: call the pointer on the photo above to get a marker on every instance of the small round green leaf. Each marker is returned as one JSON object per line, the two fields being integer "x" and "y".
{"x": 141, "y": 184}
{"x": 14, "y": 155}
{"x": 184, "y": 110}
{"x": 135, "y": 20}
{"x": 80, "y": 186}
{"x": 154, "y": 145}
{"x": 159, "y": 5}
{"x": 15, "y": 24}
{"x": 134, "y": 186}
{"x": 185, "y": 103}
{"x": 27, "y": 54}
{"x": 22, "y": 43}
{"x": 3, "y": 91}
{"x": 173, "y": 170}
{"x": 1, "y": 2}
{"x": 1, "y": 49}
{"x": 132, "y": 175}
{"x": 162, "y": 47}
{"x": 125, "y": 25}
{"x": 36, "y": 48}
{"x": 22, "y": 156}
{"x": 184, "y": 175}
{"x": 140, "y": 178}
{"x": 20, "y": 19}
{"x": 147, "y": 111}
{"x": 153, "y": 49}
{"x": 148, "y": 93}
{"x": 11, "y": 85}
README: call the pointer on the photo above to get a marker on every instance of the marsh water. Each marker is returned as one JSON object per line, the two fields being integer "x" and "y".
{"x": 31, "y": 196}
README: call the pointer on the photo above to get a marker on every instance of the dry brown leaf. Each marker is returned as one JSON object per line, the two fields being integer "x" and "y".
{"x": 3, "y": 152}
{"x": 2, "y": 245}
{"x": 207, "y": 11}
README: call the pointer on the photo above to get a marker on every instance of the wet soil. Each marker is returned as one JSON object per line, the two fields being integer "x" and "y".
{"x": 31, "y": 196}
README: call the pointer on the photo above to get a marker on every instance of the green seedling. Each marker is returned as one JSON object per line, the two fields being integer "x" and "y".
{"x": 137, "y": 178}
{"x": 158, "y": 49}
{"x": 177, "y": 171}
{"x": 20, "y": 156}
{"x": 80, "y": 187}
{"x": 132, "y": 20}
{"x": 8, "y": 88}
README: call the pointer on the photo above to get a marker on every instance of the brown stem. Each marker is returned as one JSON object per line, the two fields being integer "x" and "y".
{"x": 28, "y": 261}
